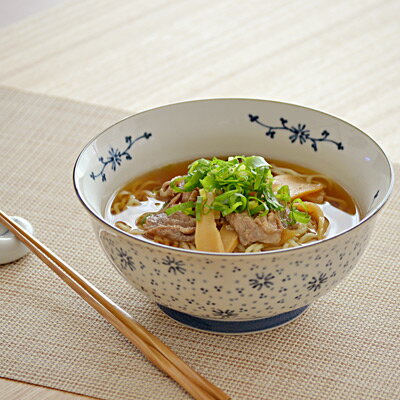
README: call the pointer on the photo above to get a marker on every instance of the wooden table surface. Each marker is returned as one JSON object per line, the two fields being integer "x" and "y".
{"x": 340, "y": 57}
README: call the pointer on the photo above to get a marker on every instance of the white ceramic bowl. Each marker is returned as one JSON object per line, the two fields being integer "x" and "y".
{"x": 233, "y": 293}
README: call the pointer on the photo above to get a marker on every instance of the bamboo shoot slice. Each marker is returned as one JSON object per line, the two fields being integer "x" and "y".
{"x": 297, "y": 185}
{"x": 229, "y": 239}
{"x": 207, "y": 236}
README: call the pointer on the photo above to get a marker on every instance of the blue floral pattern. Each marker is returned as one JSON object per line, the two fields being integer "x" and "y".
{"x": 316, "y": 282}
{"x": 244, "y": 288}
{"x": 174, "y": 265}
{"x": 224, "y": 314}
{"x": 116, "y": 156}
{"x": 126, "y": 260}
{"x": 299, "y": 133}
{"x": 262, "y": 280}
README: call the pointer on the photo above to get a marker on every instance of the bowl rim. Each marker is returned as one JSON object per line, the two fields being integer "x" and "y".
{"x": 122, "y": 233}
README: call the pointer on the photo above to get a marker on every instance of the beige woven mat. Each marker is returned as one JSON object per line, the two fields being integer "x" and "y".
{"x": 345, "y": 347}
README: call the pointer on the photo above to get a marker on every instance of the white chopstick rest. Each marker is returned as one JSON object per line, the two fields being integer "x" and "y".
{"x": 11, "y": 249}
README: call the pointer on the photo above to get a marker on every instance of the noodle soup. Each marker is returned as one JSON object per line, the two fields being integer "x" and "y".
{"x": 243, "y": 204}
{"x": 237, "y": 292}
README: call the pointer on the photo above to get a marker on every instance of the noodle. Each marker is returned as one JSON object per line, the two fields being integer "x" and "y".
{"x": 125, "y": 227}
{"x": 290, "y": 243}
{"x": 328, "y": 182}
{"x": 321, "y": 227}
{"x": 335, "y": 200}
{"x": 254, "y": 248}
{"x": 307, "y": 237}
{"x": 132, "y": 201}
{"x": 282, "y": 171}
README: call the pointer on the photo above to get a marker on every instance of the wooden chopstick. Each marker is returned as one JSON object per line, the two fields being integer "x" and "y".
{"x": 153, "y": 348}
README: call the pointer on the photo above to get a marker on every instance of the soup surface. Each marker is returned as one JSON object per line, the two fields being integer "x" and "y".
{"x": 233, "y": 217}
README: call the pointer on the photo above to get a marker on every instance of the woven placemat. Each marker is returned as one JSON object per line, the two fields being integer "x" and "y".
{"x": 346, "y": 346}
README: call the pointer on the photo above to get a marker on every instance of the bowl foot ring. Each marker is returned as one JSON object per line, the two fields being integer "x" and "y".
{"x": 233, "y": 327}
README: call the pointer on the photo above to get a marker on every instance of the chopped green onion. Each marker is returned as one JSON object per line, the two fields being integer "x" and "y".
{"x": 300, "y": 216}
{"x": 174, "y": 184}
{"x": 208, "y": 183}
{"x": 283, "y": 194}
{"x": 238, "y": 184}
{"x": 184, "y": 207}
{"x": 301, "y": 202}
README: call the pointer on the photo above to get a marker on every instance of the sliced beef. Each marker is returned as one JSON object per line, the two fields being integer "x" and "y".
{"x": 177, "y": 226}
{"x": 171, "y": 233}
{"x": 170, "y": 196}
{"x": 272, "y": 226}
{"x": 175, "y": 200}
{"x": 182, "y": 198}
{"x": 178, "y": 218}
{"x": 190, "y": 196}
{"x": 267, "y": 229}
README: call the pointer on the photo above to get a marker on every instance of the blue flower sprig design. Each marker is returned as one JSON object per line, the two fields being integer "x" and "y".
{"x": 262, "y": 280}
{"x": 373, "y": 200}
{"x": 316, "y": 282}
{"x": 299, "y": 133}
{"x": 174, "y": 265}
{"x": 116, "y": 156}
{"x": 224, "y": 314}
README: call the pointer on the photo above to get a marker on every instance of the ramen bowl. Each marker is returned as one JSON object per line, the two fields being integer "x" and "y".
{"x": 233, "y": 293}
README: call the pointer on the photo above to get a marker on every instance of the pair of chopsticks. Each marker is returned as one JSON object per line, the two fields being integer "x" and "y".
{"x": 152, "y": 347}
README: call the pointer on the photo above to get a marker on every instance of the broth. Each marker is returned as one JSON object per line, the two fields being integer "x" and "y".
{"x": 340, "y": 209}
